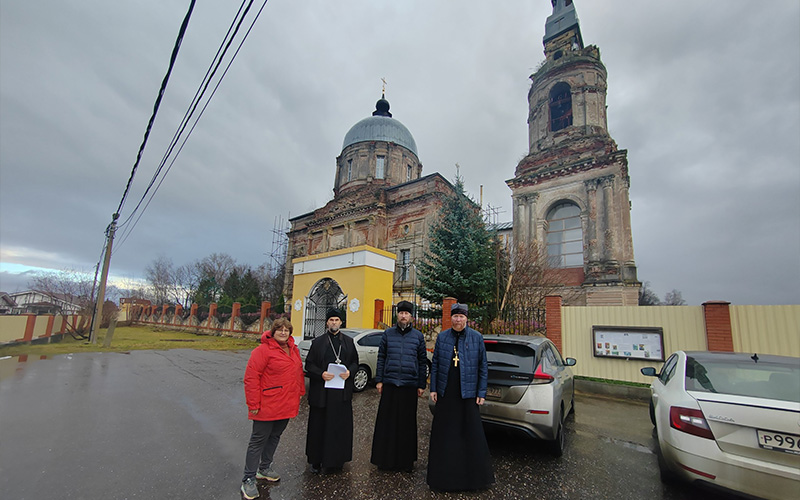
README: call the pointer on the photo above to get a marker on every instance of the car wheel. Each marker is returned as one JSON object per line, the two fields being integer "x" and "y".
{"x": 361, "y": 378}
{"x": 557, "y": 445}
{"x": 665, "y": 473}
{"x": 652, "y": 413}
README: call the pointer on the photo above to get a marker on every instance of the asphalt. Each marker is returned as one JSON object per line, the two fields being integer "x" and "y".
{"x": 173, "y": 424}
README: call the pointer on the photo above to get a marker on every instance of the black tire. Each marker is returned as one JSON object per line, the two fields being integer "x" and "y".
{"x": 557, "y": 445}
{"x": 665, "y": 473}
{"x": 361, "y": 378}
{"x": 652, "y": 413}
{"x": 572, "y": 405}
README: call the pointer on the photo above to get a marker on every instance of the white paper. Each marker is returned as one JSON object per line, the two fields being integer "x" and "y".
{"x": 336, "y": 382}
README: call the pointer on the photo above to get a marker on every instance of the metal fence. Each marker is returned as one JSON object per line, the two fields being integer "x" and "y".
{"x": 483, "y": 317}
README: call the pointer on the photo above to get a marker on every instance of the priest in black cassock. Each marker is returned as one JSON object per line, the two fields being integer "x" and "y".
{"x": 329, "y": 441}
{"x": 458, "y": 457}
{"x": 401, "y": 378}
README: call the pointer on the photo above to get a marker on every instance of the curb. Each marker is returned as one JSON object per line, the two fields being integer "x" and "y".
{"x": 614, "y": 390}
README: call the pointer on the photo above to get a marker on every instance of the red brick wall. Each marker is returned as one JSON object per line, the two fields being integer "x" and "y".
{"x": 552, "y": 304}
{"x": 719, "y": 336}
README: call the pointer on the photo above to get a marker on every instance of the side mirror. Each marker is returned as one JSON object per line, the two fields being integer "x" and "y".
{"x": 649, "y": 371}
{"x": 570, "y": 361}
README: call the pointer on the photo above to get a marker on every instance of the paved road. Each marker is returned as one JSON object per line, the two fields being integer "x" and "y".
{"x": 172, "y": 424}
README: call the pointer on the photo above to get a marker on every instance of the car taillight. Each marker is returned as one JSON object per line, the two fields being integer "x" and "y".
{"x": 690, "y": 421}
{"x": 540, "y": 377}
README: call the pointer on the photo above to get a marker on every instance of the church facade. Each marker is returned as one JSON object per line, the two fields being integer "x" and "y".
{"x": 381, "y": 200}
{"x": 570, "y": 192}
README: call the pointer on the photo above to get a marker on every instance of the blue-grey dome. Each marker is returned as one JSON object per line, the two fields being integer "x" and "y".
{"x": 380, "y": 127}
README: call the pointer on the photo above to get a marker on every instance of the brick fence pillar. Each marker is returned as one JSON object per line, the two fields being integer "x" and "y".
{"x": 50, "y": 322}
{"x": 719, "y": 336}
{"x": 193, "y": 310}
{"x": 29, "y": 327}
{"x": 552, "y": 311}
{"x": 236, "y": 311}
{"x": 212, "y": 309}
{"x": 163, "y": 317}
{"x": 447, "y": 304}
{"x": 266, "y": 307}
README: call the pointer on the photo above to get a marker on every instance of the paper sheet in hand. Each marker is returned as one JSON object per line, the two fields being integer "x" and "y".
{"x": 337, "y": 382}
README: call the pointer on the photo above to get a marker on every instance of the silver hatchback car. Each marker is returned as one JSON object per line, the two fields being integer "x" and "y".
{"x": 530, "y": 387}
{"x": 367, "y": 341}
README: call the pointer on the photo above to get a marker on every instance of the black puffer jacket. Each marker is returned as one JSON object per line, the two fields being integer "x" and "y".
{"x": 402, "y": 358}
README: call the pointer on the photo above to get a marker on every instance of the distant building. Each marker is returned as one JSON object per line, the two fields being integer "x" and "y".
{"x": 7, "y": 304}
{"x": 570, "y": 193}
{"x": 39, "y": 302}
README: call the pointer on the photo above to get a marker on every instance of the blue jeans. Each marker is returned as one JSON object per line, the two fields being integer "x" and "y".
{"x": 263, "y": 442}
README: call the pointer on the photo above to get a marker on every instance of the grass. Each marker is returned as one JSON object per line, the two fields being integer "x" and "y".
{"x": 132, "y": 338}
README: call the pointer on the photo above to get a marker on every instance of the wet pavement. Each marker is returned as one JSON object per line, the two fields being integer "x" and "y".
{"x": 173, "y": 424}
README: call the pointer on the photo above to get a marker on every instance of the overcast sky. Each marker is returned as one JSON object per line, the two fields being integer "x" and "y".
{"x": 705, "y": 96}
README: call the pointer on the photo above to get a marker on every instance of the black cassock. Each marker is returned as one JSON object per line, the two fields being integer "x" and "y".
{"x": 329, "y": 441}
{"x": 459, "y": 457}
{"x": 394, "y": 445}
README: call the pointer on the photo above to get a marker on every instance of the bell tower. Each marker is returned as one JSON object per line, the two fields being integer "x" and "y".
{"x": 570, "y": 193}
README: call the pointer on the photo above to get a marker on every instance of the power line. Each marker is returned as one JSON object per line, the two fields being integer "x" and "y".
{"x": 157, "y": 104}
{"x": 204, "y": 85}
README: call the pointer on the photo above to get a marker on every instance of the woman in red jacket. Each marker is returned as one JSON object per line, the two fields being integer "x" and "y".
{"x": 273, "y": 384}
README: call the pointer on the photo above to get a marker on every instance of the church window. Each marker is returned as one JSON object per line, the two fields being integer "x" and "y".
{"x": 380, "y": 167}
{"x": 349, "y": 170}
{"x": 564, "y": 236}
{"x": 560, "y": 106}
{"x": 405, "y": 264}
{"x": 409, "y": 172}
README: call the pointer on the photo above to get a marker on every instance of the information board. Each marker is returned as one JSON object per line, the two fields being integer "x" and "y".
{"x": 628, "y": 342}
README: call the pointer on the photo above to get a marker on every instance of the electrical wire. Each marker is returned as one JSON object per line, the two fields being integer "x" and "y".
{"x": 193, "y": 107}
{"x": 157, "y": 104}
{"x": 193, "y": 104}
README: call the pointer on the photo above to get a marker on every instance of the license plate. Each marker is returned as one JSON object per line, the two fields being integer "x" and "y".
{"x": 493, "y": 392}
{"x": 779, "y": 441}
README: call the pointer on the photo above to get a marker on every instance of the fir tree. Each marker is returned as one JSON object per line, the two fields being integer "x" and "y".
{"x": 460, "y": 262}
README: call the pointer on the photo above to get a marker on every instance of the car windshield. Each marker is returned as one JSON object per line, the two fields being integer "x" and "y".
{"x": 518, "y": 357}
{"x": 763, "y": 379}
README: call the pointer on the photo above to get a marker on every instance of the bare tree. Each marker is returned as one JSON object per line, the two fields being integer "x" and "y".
{"x": 70, "y": 285}
{"x": 531, "y": 278}
{"x": 159, "y": 275}
{"x": 647, "y": 297}
{"x": 674, "y": 298}
{"x": 218, "y": 266}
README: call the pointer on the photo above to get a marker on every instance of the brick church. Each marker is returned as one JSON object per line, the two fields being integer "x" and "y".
{"x": 570, "y": 193}
{"x": 380, "y": 199}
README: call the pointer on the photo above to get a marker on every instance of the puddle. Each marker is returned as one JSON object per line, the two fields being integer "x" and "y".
{"x": 9, "y": 365}
{"x": 628, "y": 444}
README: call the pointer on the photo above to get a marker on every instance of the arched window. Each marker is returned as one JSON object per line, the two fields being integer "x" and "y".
{"x": 560, "y": 106}
{"x": 564, "y": 236}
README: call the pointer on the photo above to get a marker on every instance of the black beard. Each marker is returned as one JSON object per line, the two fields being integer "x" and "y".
{"x": 333, "y": 331}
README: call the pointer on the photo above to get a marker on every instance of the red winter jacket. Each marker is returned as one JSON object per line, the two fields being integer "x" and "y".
{"x": 273, "y": 380}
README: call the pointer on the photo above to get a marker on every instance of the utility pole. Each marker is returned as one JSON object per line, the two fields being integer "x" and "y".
{"x": 101, "y": 291}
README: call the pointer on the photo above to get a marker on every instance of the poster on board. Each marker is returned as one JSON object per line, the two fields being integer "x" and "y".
{"x": 628, "y": 342}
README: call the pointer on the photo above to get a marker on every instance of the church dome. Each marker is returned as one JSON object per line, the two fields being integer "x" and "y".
{"x": 380, "y": 127}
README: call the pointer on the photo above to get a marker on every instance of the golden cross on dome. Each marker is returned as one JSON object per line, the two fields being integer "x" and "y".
{"x": 383, "y": 88}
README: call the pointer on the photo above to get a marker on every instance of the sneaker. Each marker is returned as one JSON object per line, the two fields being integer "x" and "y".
{"x": 268, "y": 474}
{"x": 249, "y": 488}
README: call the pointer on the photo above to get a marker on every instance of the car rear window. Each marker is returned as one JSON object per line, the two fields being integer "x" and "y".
{"x": 510, "y": 357}
{"x": 744, "y": 378}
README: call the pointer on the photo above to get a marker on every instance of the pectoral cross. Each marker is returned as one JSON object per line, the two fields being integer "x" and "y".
{"x": 455, "y": 357}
